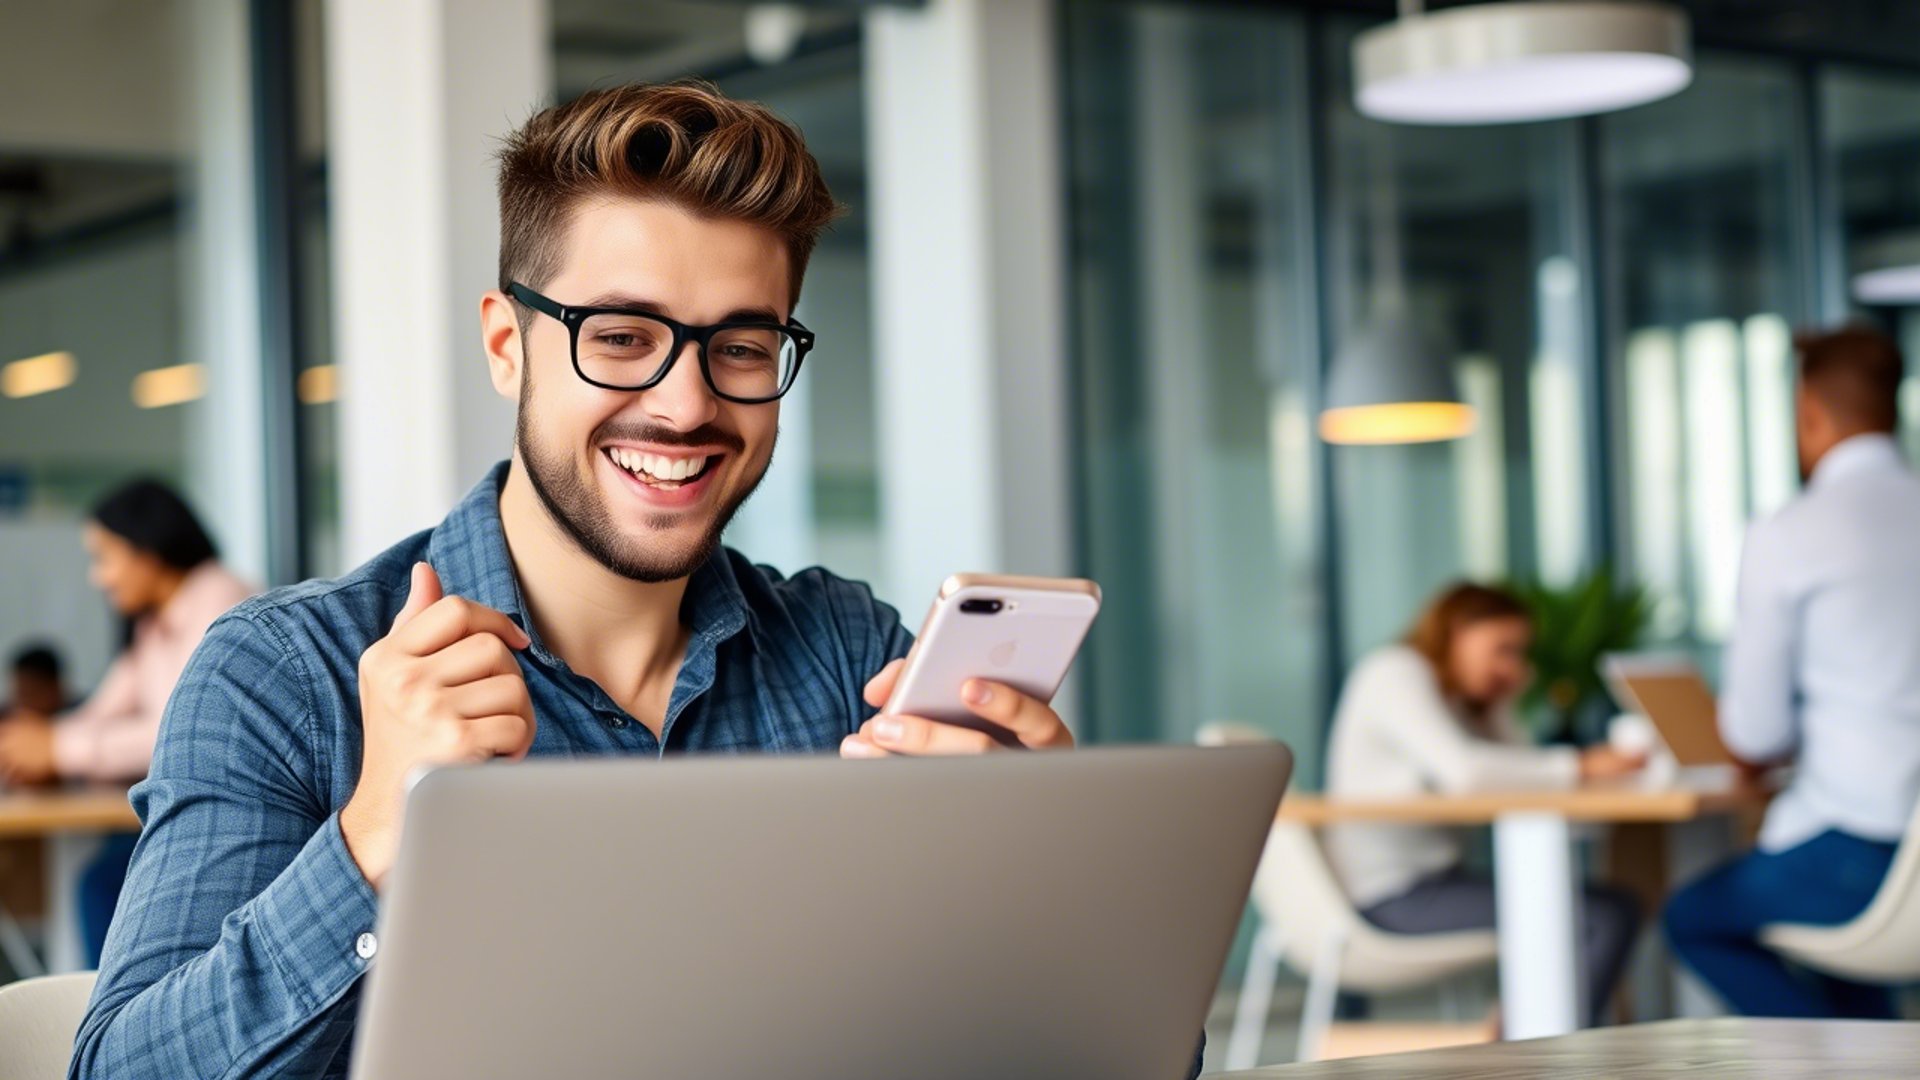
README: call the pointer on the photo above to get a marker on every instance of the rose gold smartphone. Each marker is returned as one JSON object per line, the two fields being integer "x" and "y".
{"x": 1020, "y": 631}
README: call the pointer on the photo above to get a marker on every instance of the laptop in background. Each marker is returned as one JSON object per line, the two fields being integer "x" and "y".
{"x": 1669, "y": 690}
{"x": 1012, "y": 915}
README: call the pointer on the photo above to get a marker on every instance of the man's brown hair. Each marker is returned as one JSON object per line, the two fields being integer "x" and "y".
{"x": 1855, "y": 372}
{"x": 683, "y": 143}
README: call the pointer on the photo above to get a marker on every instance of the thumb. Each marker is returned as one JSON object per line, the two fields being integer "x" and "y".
{"x": 422, "y": 592}
{"x": 879, "y": 689}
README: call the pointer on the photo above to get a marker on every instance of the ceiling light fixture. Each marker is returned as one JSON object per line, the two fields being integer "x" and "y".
{"x": 159, "y": 387}
{"x": 1887, "y": 270}
{"x": 319, "y": 385}
{"x": 1387, "y": 384}
{"x": 1502, "y": 63}
{"x": 38, "y": 374}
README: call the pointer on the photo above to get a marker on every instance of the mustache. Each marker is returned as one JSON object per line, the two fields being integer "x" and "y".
{"x": 704, "y": 435}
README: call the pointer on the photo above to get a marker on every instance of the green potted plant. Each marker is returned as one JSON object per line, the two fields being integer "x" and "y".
{"x": 1574, "y": 626}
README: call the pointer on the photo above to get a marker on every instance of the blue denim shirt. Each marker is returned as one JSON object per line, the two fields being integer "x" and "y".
{"x": 234, "y": 950}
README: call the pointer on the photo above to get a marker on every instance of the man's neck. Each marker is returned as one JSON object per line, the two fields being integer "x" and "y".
{"x": 625, "y": 635}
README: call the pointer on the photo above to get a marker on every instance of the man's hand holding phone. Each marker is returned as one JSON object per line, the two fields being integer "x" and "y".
{"x": 1032, "y": 722}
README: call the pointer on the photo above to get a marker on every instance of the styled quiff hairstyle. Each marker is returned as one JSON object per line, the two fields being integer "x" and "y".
{"x": 683, "y": 143}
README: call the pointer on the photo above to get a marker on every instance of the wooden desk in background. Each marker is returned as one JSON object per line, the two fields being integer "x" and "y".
{"x": 69, "y": 822}
{"x": 1775, "y": 1049}
{"x": 1537, "y": 876}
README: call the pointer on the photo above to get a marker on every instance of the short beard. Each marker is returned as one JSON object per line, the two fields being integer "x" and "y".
{"x": 574, "y": 502}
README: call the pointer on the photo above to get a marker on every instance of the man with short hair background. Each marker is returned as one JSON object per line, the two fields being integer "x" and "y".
{"x": 577, "y": 602}
{"x": 37, "y": 686}
{"x": 1823, "y": 670}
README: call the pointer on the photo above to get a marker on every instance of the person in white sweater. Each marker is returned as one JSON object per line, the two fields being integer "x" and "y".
{"x": 1434, "y": 713}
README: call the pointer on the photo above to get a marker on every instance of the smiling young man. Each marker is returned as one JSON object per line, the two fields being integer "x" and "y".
{"x": 577, "y": 602}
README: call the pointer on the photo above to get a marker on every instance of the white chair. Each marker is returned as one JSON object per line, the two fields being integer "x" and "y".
{"x": 1307, "y": 921}
{"x": 38, "y": 1020}
{"x": 1882, "y": 943}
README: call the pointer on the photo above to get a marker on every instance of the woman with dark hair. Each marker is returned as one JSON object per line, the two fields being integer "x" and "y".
{"x": 1434, "y": 714}
{"x": 159, "y": 570}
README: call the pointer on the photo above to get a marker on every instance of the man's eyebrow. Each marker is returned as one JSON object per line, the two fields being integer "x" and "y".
{"x": 630, "y": 302}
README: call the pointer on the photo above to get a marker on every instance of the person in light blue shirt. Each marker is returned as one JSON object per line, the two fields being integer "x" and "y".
{"x": 577, "y": 602}
{"x": 1823, "y": 671}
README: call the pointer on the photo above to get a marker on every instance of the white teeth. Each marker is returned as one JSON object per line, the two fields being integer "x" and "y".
{"x": 655, "y": 466}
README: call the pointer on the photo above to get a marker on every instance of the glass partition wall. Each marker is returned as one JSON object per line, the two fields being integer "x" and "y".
{"x": 1197, "y": 370}
{"x": 1869, "y": 121}
{"x": 1615, "y": 296}
{"x": 1709, "y": 267}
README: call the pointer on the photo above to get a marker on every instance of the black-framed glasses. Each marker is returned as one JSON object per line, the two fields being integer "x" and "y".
{"x": 747, "y": 362}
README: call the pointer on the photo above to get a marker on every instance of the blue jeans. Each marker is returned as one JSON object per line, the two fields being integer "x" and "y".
{"x": 1714, "y": 925}
{"x": 100, "y": 891}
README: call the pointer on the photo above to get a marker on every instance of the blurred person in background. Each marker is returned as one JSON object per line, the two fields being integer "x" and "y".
{"x": 1822, "y": 670}
{"x": 1434, "y": 713}
{"x": 38, "y": 684}
{"x": 159, "y": 571}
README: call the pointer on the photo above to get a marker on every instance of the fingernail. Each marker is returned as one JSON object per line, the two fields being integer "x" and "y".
{"x": 976, "y": 692}
{"x": 889, "y": 730}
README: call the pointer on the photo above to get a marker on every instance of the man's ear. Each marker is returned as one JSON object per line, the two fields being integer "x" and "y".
{"x": 500, "y": 335}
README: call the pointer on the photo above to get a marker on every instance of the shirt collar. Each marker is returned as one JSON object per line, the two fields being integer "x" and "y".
{"x": 469, "y": 552}
{"x": 1855, "y": 454}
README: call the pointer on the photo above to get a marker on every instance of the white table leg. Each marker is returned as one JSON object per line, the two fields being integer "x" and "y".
{"x": 1537, "y": 890}
{"x": 67, "y": 858}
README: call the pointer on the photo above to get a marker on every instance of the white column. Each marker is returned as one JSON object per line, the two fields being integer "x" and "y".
{"x": 227, "y": 459}
{"x": 1537, "y": 897}
{"x": 418, "y": 93}
{"x": 970, "y": 310}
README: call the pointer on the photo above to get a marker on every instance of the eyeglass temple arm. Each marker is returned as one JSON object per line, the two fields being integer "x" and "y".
{"x": 535, "y": 301}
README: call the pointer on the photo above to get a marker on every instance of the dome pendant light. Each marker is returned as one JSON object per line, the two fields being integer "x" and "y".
{"x": 1499, "y": 63}
{"x": 1887, "y": 270}
{"x": 1386, "y": 384}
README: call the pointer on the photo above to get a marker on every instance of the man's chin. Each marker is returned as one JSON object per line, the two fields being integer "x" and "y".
{"x": 659, "y": 546}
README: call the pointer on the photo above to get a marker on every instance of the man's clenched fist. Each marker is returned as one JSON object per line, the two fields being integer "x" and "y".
{"x": 442, "y": 686}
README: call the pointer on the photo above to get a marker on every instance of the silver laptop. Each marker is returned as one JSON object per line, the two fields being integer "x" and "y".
{"x": 1019, "y": 914}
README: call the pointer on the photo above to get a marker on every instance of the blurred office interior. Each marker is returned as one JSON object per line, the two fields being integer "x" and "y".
{"x": 1097, "y": 260}
{"x": 1615, "y": 294}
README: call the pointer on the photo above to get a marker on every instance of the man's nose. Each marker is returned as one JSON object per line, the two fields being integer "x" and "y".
{"x": 682, "y": 400}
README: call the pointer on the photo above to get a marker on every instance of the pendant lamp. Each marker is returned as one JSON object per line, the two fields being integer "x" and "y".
{"x": 1497, "y": 63}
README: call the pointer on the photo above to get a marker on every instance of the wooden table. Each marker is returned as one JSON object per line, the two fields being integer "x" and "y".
{"x": 1728, "y": 1048}
{"x": 70, "y": 821}
{"x": 1536, "y": 873}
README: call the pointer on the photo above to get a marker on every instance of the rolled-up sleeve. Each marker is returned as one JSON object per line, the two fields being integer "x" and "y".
{"x": 236, "y": 949}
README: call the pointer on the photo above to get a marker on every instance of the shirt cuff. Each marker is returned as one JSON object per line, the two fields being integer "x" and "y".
{"x": 317, "y": 918}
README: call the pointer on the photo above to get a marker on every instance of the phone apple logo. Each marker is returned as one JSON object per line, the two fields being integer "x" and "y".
{"x": 1002, "y": 654}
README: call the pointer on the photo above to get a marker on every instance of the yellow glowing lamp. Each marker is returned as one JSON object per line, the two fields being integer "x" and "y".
{"x": 38, "y": 375}
{"x": 1397, "y": 422}
{"x": 1387, "y": 387}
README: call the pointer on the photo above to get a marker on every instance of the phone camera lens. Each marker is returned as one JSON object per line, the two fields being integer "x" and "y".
{"x": 980, "y": 607}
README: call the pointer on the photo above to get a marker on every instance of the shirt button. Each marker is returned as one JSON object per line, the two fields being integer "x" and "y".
{"x": 366, "y": 946}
